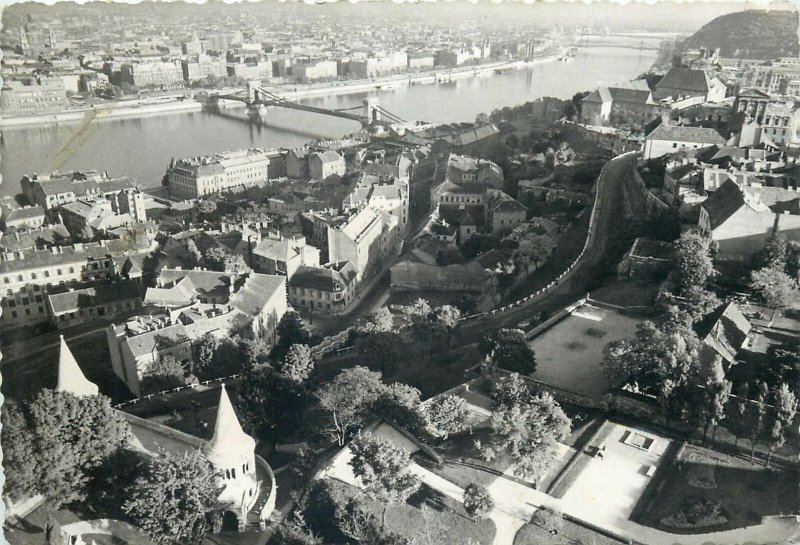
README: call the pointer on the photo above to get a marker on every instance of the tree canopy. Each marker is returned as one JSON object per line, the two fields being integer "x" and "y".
{"x": 172, "y": 497}
{"x": 509, "y": 350}
{"x": 52, "y": 443}
{"x": 347, "y": 400}
{"x": 298, "y": 363}
{"x": 447, "y": 414}
{"x": 528, "y": 434}
{"x": 692, "y": 257}
{"x": 272, "y": 405}
{"x": 383, "y": 469}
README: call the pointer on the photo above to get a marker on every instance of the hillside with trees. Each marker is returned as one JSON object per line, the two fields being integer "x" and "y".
{"x": 754, "y": 34}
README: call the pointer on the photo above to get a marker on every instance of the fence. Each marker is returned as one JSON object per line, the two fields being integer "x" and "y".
{"x": 217, "y": 381}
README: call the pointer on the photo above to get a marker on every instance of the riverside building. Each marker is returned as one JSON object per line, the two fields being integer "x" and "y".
{"x": 194, "y": 177}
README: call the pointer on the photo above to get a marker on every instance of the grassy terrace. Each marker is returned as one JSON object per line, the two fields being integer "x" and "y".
{"x": 709, "y": 491}
{"x": 447, "y": 516}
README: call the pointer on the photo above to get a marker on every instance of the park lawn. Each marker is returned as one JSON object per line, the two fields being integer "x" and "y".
{"x": 570, "y": 534}
{"x": 447, "y": 516}
{"x": 745, "y": 492}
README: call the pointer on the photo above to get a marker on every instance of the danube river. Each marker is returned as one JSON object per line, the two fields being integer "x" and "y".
{"x": 143, "y": 147}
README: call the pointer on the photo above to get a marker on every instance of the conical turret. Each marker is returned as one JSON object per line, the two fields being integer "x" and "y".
{"x": 230, "y": 447}
{"x": 70, "y": 377}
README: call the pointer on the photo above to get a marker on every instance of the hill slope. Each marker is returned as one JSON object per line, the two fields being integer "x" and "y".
{"x": 749, "y": 34}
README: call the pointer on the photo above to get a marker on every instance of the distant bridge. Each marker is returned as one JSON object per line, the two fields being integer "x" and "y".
{"x": 258, "y": 99}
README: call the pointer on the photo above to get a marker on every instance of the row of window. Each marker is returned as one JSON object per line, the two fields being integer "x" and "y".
{"x": 316, "y": 293}
{"x": 95, "y": 265}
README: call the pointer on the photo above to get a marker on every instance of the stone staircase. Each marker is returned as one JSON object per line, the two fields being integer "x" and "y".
{"x": 253, "y": 523}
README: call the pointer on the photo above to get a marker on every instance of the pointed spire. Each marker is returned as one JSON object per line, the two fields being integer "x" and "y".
{"x": 70, "y": 377}
{"x": 230, "y": 444}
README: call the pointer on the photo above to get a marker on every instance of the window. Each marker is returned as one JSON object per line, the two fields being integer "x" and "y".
{"x": 33, "y": 276}
{"x": 47, "y": 274}
{"x": 674, "y": 144}
{"x": 13, "y": 313}
{"x": 19, "y": 278}
{"x": 5, "y": 280}
{"x": 58, "y": 272}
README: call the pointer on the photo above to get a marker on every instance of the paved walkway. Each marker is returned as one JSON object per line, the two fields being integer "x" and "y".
{"x": 130, "y": 534}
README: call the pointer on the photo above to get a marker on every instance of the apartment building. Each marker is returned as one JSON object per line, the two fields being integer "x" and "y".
{"x": 37, "y": 95}
{"x": 327, "y": 289}
{"x": 367, "y": 239}
{"x": 26, "y": 275}
{"x": 283, "y": 256}
{"x": 194, "y": 177}
{"x": 55, "y": 190}
{"x": 187, "y": 305}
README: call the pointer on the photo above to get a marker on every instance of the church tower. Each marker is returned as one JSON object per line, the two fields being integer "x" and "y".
{"x": 232, "y": 453}
{"x": 70, "y": 377}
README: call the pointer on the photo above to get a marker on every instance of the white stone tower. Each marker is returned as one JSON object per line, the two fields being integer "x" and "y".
{"x": 70, "y": 377}
{"x": 232, "y": 453}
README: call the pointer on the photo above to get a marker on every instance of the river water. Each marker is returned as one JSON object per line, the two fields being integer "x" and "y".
{"x": 143, "y": 147}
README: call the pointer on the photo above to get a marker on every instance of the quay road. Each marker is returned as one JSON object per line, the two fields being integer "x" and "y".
{"x": 607, "y": 223}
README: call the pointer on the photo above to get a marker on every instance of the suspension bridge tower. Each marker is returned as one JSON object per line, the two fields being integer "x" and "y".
{"x": 256, "y": 109}
{"x": 372, "y": 109}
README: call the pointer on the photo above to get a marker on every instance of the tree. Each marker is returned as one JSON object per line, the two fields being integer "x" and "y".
{"x": 66, "y": 437}
{"x": 214, "y": 358}
{"x": 206, "y": 207}
{"x": 447, "y": 414}
{"x": 654, "y": 361}
{"x": 214, "y": 258}
{"x": 172, "y": 497}
{"x": 477, "y": 501}
{"x": 383, "y": 469}
{"x": 418, "y": 314}
{"x": 447, "y": 317}
{"x": 529, "y": 434}
{"x": 718, "y": 391}
{"x": 776, "y": 288}
{"x": 254, "y": 352}
{"x": 782, "y": 365}
{"x": 467, "y": 305}
{"x": 347, "y": 401}
{"x": 756, "y": 416}
{"x": 163, "y": 374}
{"x": 785, "y": 411}
{"x": 399, "y": 404}
{"x": 272, "y": 406}
{"x": 510, "y": 390}
{"x": 380, "y": 321}
{"x": 298, "y": 363}
{"x": 509, "y": 350}
{"x": 737, "y": 408}
{"x": 193, "y": 255}
{"x": 380, "y": 349}
{"x": 291, "y": 330}
{"x": 775, "y": 253}
{"x": 235, "y": 264}
{"x": 692, "y": 257}
{"x": 19, "y": 456}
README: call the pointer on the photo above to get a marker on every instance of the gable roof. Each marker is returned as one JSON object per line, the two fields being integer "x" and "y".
{"x": 685, "y": 79}
{"x": 723, "y": 203}
{"x": 725, "y": 330}
{"x": 679, "y": 133}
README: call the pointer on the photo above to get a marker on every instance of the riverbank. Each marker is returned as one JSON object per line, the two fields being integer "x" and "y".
{"x": 144, "y": 107}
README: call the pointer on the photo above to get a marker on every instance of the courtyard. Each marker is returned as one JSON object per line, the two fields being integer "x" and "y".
{"x": 569, "y": 353}
{"x": 608, "y": 487}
